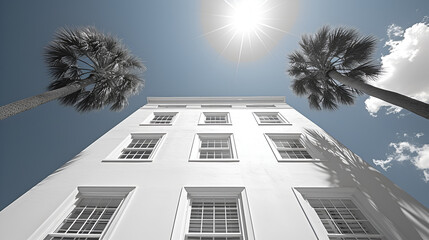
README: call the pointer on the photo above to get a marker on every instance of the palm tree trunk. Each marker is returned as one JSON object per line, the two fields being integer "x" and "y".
{"x": 32, "y": 102}
{"x": 411, "y": 104}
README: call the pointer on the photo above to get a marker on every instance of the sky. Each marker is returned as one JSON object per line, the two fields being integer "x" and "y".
{"x": 171, "y": 38}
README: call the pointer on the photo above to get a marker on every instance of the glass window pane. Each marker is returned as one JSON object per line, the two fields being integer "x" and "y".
{"x": 341, "y": 216}
{"x": 90, "y": 216}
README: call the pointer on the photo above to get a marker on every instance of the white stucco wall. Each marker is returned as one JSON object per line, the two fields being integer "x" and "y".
{"x": 150, "y": 211}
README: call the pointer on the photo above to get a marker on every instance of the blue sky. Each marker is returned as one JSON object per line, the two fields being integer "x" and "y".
{"x": 167, "y": 36}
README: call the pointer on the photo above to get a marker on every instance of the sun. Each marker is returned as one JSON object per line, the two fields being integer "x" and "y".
{"x": 247, "y": 16}
{"x": 246, "y": 30}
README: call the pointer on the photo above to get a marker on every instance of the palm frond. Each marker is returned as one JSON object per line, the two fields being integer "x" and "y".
{"x": 76, "y": 54}
{"x": 340, "y": 49}
{"x": 368, "y": 70}
{"x": 119, "y": 104}
{"x": 359, "y": 51}
{"x": 328, "y": 100}
{"x": 314, "y": 101}
{"x": 344, "y": 95}
{"x": 299, "y": 88}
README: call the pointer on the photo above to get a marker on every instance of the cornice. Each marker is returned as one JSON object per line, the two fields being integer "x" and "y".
{"x": 217, "y": 100}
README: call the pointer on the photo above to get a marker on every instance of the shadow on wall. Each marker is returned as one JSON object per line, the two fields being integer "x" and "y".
{"x": 346, "y": 169}
{"x": 62, "y": 168}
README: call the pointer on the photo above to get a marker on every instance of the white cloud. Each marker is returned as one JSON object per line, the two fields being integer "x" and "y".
{"x": 418, "y": 135}
{"x": 405, "y": 151}
{"x": 405, "y": 68}
{"x": 394, "y": 31}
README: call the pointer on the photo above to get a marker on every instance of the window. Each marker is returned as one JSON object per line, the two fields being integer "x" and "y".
{"x": 336, "y": 213}
{"x": 341, "y": 216}
{"x": 160, "y": 118}
{"x": 138, "y": 147}
{"x": 288, "y": 147}
{"x": 92, "y": 214}
{"x": 213, "y": 147}
{"x": 213, "y": 213}
{"x": 89, "y": 218}
{"x": 266, "y": 118}
{"x": 214, "y": 118}
{"x": 214, "y": 216}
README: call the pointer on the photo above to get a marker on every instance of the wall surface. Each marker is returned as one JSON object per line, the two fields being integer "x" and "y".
{"x": 150, "y": 211}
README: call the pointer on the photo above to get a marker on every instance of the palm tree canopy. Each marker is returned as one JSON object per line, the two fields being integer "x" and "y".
{"x": 78, "y": 54}
{"x": 340, "y": 49}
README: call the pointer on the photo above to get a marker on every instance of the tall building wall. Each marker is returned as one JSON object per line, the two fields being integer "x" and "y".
{"x": 276, "y": 197}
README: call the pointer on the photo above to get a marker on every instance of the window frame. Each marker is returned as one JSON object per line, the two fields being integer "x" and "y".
{"x": 181, "y": 223}
{"x": 114, "y": 155}
{"x": 54, "y": 221}
{"x": 377, "y": 220}
{"x": 275, "y": 150}
{"x": 212, "y": 234}
{"x": 195, "y": 150}
{"x": 204, "y": 115}
{"x": 149, "y": 119}
{"x": 256, "y": 115}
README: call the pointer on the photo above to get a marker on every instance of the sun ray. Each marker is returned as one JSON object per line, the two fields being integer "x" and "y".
{"x": 239, "y": 54}
{"x": 271, "y": 27}
{"x": 229, "y": 42}
{"x": 260, "y": 39}
{"x": 215, "y": 30}
{"x": 266, "y": 34}
{"x": 269, "y": 9}
{"x": 250, "y": 41}
{"x": 229, "y": 4}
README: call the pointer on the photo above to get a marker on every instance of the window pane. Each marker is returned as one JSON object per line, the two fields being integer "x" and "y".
{"x": 216, "y": 119}
{"x": 214, "y": 215}
{"x": 162, "y": 119}
{"x": 290, "y": 147}
{"x": 90, "y": 216}
{"x": 140, "y": 148}
{"x": 287, "y": 143}
{"x": 341, "y": 216}
{"x": 269, "y": 118}
{"x": 215, "y": 148}
{"x": 143, "y": 143}
{"x": 301, "y": 154}
{"x": 126, "y": 154}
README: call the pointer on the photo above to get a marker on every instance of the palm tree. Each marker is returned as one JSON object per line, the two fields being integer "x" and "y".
{"x": 333, "y": 66}
{"x": 90, "y": 70}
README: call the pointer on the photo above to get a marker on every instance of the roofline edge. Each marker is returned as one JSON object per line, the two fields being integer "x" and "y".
{"x": 199, "y": 100}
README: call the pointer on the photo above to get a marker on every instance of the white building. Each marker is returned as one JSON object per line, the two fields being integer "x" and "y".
{"x": 230, "y": 168}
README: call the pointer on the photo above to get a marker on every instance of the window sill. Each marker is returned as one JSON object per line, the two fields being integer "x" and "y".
{"x": 151, "y": 124}
{"x": 297, "y": 160}
{"x": 288, "y": 124}
{"x": 126, "y": 160}
{"x": 215, "y": 160}
{"x": 214, "y": 124}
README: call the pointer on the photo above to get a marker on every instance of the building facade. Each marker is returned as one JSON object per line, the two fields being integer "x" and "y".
{"x": 215, "y": 168}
